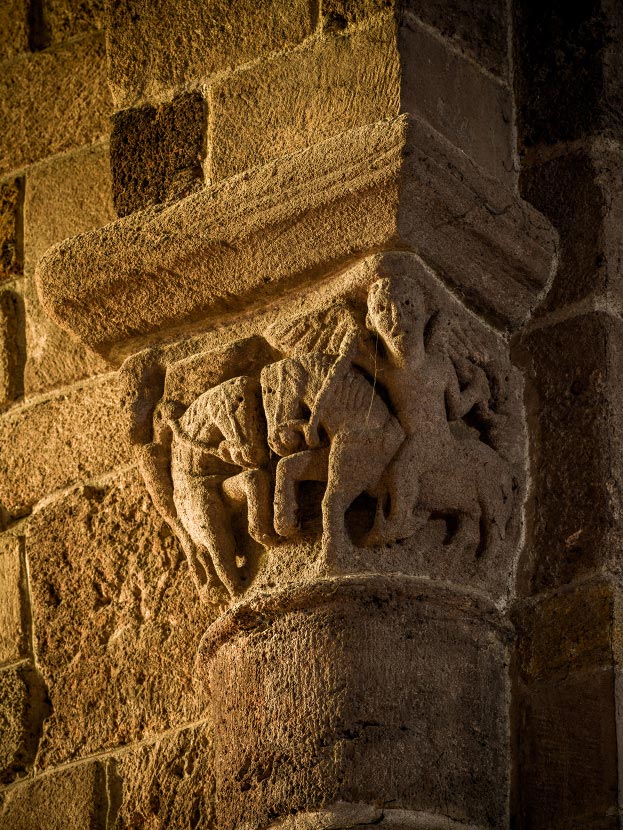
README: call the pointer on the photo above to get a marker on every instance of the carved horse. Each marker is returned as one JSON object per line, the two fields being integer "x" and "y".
{"x": 327, "y": 423}
{"x": 217, "y": 453}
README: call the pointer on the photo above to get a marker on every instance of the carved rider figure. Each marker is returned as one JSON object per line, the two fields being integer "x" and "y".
{"x": 433, "y": 472}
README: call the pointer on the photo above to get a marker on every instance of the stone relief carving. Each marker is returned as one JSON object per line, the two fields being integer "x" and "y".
{"x": 379, "y": 419}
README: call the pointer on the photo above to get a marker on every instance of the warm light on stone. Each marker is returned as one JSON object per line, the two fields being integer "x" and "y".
{"x": 310, "y": 415}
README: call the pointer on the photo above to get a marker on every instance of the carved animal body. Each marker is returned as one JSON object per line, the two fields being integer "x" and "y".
{"x": 220, "y": 433}
{"x": 362, "y": 437}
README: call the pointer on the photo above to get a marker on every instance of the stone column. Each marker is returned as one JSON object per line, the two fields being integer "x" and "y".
{"x": 319, "y": 389}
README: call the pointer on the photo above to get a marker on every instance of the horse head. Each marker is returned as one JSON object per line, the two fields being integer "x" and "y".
{"x": 283, "y": 392}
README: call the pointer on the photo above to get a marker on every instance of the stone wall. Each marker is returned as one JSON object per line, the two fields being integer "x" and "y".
{"x": 235, "y": 180}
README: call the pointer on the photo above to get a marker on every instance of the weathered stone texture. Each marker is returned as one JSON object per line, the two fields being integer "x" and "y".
{"x": 338, "y": 14}
{"x": 53, "y": 101}
{"x": 64, "y": 197}
{"x": 576, "y": 368}
{"x": 568, "y": 753}
{"x": 480, "y": 28}
{"x": 64, "y": 19}
{"x": 72, "y": 799}
{"x": 12, "y": 608}
{"x": 302, "y": 97}
{"x": 578, "y": 629}
{"x": 13, "y": 28}
{"x": 10, "y": 229}
{"x": 116, "y": 620}
{"x": 156, "y": 152}
{"x": 11, "y": 347}
{"x": 240, "y": 242}
{"x": 581, "y": 193}
{"x": 471, "y": 109}
{"x": 23, "y": 707}
{"x": 570, "y": 70}
{"x": 354, "y": 693}
{"x": 168, "y": 784}
{"x": 55, "y": 442}
{"x": 194, "y": 40}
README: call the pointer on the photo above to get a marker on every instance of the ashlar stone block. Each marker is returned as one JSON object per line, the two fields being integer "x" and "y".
{"x": 242, "y": 242}
{"x": 13, "y": 29}
{"x": 65, "y": 196}
{"x": 53, "y": 101}
{"x": 23, "y": 708}
{"x": 156, "y": 152}
{"x": 70, "y": 799}
{"x": 301, "y": 97}
{"x": 11, "y": 197}
{"x": 581, "y": 193}
{"x": 13, "y": 609}
{"x": 167, "y": 784}
{"x": 55, "y": 442}
{"x": 155, "y": 49}
{"x": 575, "y": 370}
{"x": 115, "y": 618}
{"x": 11, "y": 347}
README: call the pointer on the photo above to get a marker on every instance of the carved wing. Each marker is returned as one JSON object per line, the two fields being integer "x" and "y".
{"x": 330, "y": 330}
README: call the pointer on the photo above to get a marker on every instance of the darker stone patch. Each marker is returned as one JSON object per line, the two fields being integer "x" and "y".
{"x": 566, "y": 190}
{"x": 11, "y": 248}
{"x": 570, "y": 70}
{"x": 576, "y": 368}
{"x": 338, "y": 14}
{"x": 156, "y": 152}
{"x": 478, "y": 27}
{"x": 12, "y": 346}
{"x": 24, "y": 705}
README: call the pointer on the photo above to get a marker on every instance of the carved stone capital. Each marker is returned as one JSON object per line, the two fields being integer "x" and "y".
{"x": 324, "y": 409}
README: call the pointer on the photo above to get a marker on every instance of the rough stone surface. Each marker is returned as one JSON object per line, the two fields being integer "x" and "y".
{"x": 576, "y": 371}
{"x": 306, "y": 715}
{"x": 576, "y": 630}
{"x": 570, "y": 71}
{"x": 13, "y": 612}
{"x": 477, "y": 27}
{"x": 23, "y": 707}
{"x": 568, "y": 752}
{"x": 13, "y": 28}
{"x": 167, "y": 784}
{"x": 338, "y": 14}
{"x": 72, "y": 799}
{"x": 11, "y": 347}
{"x": 116, "y": 621}
{"x": 241, "y": 242}
{"x": 55, "y": 442}
{"x": 10, "y": 229}
{"x": 443, "y": 490}
{"x": 194, "y": 40}
{"x": 156, "y": 152}
{"x": 64, "y": 197}
{"x": 303, "y": 97}
{"x": 581, "y": 193}
{"x": 65, "y": 19}
{"x": 53, "y": 101}
{"x": 471, "y": 109}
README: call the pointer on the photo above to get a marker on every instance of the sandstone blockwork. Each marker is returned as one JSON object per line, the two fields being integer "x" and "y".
{"x": 311, "y": 431}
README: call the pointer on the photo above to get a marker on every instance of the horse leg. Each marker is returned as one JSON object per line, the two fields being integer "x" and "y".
{"x": 252, "y": 487}
{"x": 308, "y": 465}
{"x": 207, "y": 521}
{"x": 357, "y": 461}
